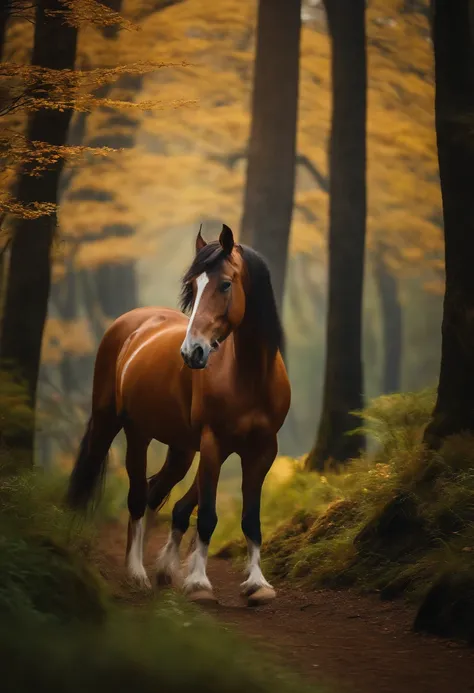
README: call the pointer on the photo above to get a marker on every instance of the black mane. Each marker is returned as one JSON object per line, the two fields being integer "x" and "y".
{"x": 209, "y": 258}
{"x": 261, "y": 308}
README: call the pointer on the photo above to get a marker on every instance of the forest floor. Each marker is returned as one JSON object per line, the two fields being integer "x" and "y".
{"x": 350, "y": 642}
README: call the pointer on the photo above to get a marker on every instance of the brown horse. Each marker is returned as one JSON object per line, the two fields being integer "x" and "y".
{"x": 231, "y": 394}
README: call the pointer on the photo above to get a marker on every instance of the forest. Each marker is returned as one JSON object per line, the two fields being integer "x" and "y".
{"x": 334, "y": 138}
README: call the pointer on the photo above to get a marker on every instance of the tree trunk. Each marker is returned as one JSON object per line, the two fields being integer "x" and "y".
{"x": 454, "y": 106}
{"x": 76, "y": 372}
{"x": 268, "y": 201}
{"x": 343, "y": 383}
{"x": 391, "y": 317}
{"x": 4, "y": 15}
{"x": 30, "y": 269}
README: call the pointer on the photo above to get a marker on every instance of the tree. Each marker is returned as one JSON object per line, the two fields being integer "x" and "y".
{"x": 453, "y": 39}
{"x": 391, "y": 317}
{"x": 343, "y": 384}
{"x": 177, "y": 175}
{"x": 29, "y": 279}
{"x": 268, "y": 202}
{"x": 4, "y": 14}
{"x": 66, "y": 289}
{"x": 105, "y": 290}
{"x": 44, "y": 94}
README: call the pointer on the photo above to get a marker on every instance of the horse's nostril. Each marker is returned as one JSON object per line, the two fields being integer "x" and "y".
{"x": 198, "y": 354}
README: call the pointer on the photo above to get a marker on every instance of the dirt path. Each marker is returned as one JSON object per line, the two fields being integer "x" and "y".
{"x": 361, "y": 644}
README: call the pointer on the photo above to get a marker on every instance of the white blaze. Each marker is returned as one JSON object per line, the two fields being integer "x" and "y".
{"x": 201, "y": 283}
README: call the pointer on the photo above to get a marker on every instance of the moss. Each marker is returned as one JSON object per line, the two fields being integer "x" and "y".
{"x": 328, "y": 524}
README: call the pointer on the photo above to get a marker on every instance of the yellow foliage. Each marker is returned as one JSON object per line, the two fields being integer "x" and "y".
{"x": 80, "y": 12}
{"x": 70, "y": 337}
{"x": 201, "y": 54}
{"x": 25, "y": 88}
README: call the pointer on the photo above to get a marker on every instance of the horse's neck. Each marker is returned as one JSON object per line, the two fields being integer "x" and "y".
{"x": 252, "y": 359}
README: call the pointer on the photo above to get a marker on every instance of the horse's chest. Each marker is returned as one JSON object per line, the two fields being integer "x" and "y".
{"x": 236, "y": 412}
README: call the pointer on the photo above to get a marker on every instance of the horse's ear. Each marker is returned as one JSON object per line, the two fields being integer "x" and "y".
{"x": 226, "y": 239}
{"x": 200, "y": 242}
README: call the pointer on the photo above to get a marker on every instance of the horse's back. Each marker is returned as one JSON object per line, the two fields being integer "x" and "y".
{"x": 118, "y": 334}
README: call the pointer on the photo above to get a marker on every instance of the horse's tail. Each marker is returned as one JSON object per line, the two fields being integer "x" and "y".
{"x": 87, "y": 479}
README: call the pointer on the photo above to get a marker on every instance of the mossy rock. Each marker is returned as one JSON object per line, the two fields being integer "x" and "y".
{"x": 340, "y": 514}
{"x": 397, "y": 532}
{"x": 286, "y": 541}
{"x": 448, "y": 607}
{"x": 294, "y": 529}
{"x": 300, "y": 523}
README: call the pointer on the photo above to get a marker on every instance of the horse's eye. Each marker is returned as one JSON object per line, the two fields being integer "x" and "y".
{"x": 225, "y": 286}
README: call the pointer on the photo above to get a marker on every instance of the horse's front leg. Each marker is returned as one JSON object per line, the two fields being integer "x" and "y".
{"x": 256, "y": 462}
{"x": 197, "y": 584}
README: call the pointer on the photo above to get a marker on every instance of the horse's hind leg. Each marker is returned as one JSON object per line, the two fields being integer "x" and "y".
{"x": 256, "y": 462}
{"x": 135, "y": 463}
{"x": 176, "y": 466}
{"x": 168, "y": 568}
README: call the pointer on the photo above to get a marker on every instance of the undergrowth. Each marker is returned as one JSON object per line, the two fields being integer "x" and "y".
{"x": 43, "y": 574}
{"x": 60, "y": 631}
{"x": 399, "y": 521}
{"x": 172, "y": 648}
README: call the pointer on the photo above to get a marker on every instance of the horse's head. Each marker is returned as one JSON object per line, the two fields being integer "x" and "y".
{"x": 213, "y": 286}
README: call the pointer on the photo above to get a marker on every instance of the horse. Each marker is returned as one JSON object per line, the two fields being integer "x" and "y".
{"x": 214, "y": 383}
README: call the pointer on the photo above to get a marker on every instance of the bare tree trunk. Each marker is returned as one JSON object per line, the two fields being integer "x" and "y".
{"x": 66, "y": 292}
{"x": 269, "y": 190}
{"x": 343, "y": 384}
{"x": 454, "y": 74}
{"x": 4, "y": 15}
{"x": 391, "y": 317}
{"x": 111, "y": 289}
{"x": 29, "y": 275}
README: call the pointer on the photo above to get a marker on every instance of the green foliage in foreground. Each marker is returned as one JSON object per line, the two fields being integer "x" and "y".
{"x": 175, "y": 648}
{"x": 59, "y": 631}
{"x": 398, "y": 521}
{"x": 43, "y": 575}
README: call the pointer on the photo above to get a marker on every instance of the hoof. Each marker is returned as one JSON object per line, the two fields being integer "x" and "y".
{"x": 140, "y": 581}
{"x": 202, "y": 597}
{"x": 261, "y": 596}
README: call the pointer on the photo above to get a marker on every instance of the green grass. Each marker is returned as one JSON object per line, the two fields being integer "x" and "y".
{"x": 43, "y": 574}
{"x": 172, "y": 648}
{"x": 60, "y": 631}
{"x": 399, "y": 521}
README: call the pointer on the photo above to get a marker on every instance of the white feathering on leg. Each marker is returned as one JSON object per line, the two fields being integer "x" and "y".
{"x": 255, "y": 578}
{"x": 168, "y": 562}
{"x": 197, "y": 578}
{"x": 135, "y": 565}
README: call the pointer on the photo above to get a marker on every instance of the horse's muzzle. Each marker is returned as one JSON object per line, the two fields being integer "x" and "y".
{"x": 196, "y": 357}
